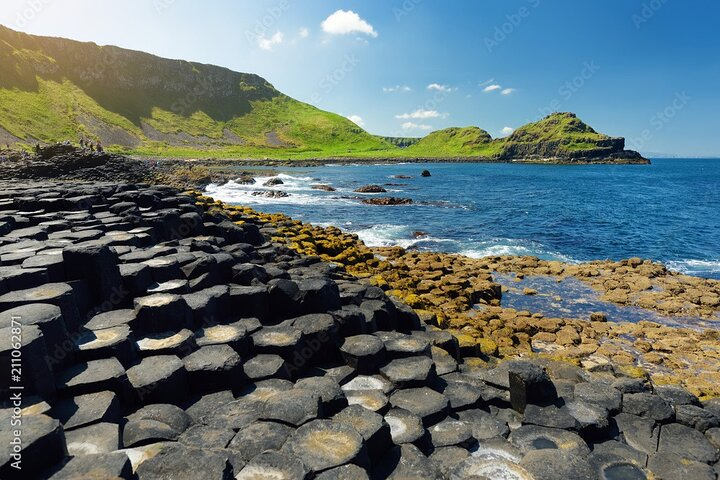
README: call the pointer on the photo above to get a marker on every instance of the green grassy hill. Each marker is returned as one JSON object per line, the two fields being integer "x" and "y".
{"x": 54, "y": 89}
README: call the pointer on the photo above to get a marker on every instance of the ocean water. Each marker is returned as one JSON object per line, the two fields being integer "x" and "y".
{"x": 668, "y": 211}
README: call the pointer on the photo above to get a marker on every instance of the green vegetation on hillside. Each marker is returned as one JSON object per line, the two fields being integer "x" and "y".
{"x": 53, "y": 89}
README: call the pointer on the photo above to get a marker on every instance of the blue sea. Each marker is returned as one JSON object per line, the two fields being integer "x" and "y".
{"x": 668, "y": 211}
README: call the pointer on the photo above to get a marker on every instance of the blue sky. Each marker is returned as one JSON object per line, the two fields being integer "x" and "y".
{"x": 646, "y": 70}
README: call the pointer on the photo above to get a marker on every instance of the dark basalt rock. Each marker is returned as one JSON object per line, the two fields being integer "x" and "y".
{"x": 180, "y": 462}
{"x": 370, "y": 189}
{"x": 271, "y": 464}
{"x": 159, "y": 379}
{"x": 324, "y": 444}
{"x": 428, "y": 404}
{"x": 103, "y": 465}
{"x": 259, "y": 437}
{"x": 364, "y": 353}
{"x": 373, "y": 428}
{"x": 214, "y": 367}
{"x": 529, "y": 384}
{"x": 43, "y": 445}
{"x": 387, "y": 201}
{"x": 93, "y": 439}
{"x": 217, "y": 308}
{"x": 87, "y": 409}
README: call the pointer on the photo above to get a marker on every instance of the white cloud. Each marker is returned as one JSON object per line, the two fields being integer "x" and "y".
{"x": 421, "y": 114}
{"x": 415, "y": 126}
{"x": 304, "y": 32}
{"x": 357, "y": 120}
{"x": 269, "y": 43}
{"x": 492, "y": 88}
{"x": 507, "y": 91}
{"x": 397, "y": 88}
{"x": 507, "y": 131}
{"x": 343, "y": 22}
{"x": 440, "y": 88}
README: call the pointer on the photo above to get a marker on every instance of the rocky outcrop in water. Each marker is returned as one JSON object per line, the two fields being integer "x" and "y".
{"x": 387, "y": 201}
{"x": 160, "y": 339}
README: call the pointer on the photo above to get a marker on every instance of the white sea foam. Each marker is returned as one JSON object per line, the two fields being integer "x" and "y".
{"x": 498, "y": 247}
{"x": 299, "y": 189}
{"x": 386, "y": 235}
{"x": 695, "y": 267}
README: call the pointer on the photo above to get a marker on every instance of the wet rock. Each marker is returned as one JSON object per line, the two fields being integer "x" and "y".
{"x": 325, "y": 188}
{"x": 370, "y": 189}
{"x": 387, "y": 201}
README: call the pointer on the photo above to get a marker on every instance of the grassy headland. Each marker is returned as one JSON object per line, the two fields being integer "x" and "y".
{"x": 53, "y": 89}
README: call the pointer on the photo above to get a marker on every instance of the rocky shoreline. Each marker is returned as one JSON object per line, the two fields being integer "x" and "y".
{"x": 166, "y": 335}
{"x": 169, "y": 335}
